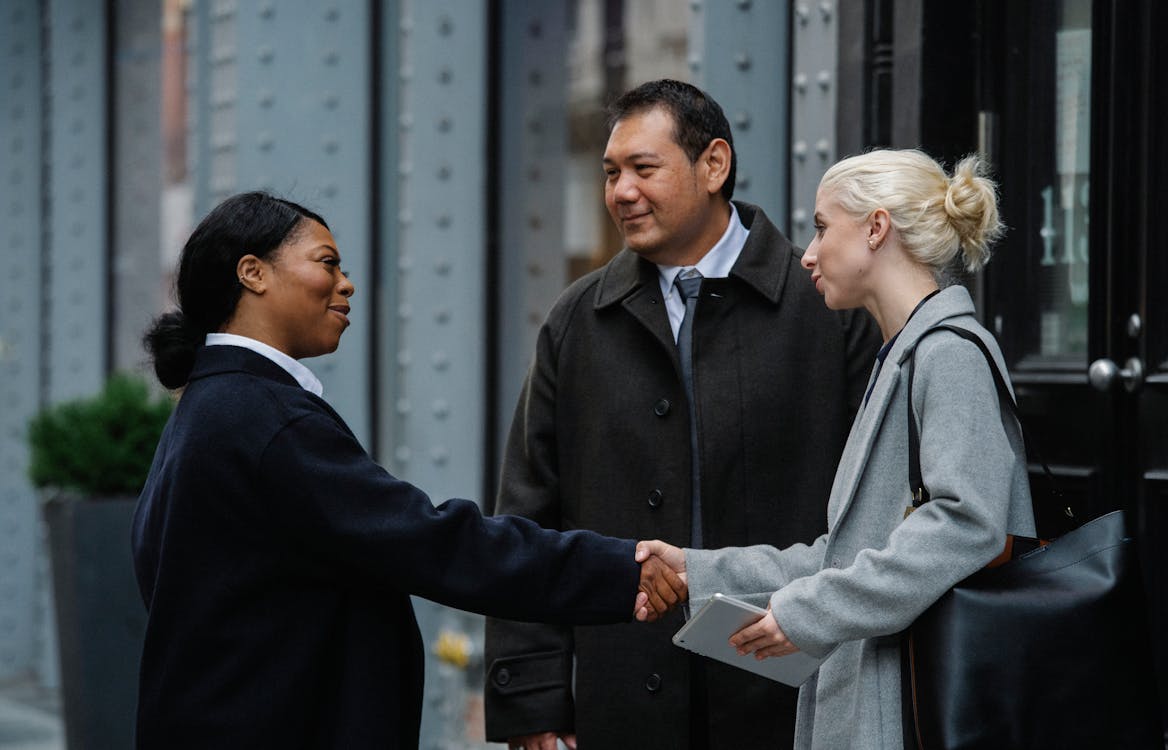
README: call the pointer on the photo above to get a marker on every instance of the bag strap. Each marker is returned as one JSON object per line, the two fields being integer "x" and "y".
{"x": 920, "y": 494}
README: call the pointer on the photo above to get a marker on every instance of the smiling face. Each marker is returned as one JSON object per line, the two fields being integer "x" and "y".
{"x": 839, "y": 255}
{"x": 668, "y": 209}
{"x": 306, "y": 294}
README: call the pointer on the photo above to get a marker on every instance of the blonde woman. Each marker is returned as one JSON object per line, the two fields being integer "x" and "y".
{"x": 890, "y": 227}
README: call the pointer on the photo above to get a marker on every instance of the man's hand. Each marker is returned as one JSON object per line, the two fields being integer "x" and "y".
{"x": 763, "y": 638}
{"x": 663, "y": 584}
{"x": 541, "y": 741}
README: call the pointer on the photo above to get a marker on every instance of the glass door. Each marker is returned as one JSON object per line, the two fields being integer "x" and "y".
{"x": 1071, "y": 100}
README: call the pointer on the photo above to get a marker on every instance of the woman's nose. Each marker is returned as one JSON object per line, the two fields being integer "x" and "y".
{"x": 346, "y": 288}
{"x": 808, "y": 260}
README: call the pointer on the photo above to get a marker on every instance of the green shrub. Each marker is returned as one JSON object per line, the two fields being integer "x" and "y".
{"x": 101, "y": 445}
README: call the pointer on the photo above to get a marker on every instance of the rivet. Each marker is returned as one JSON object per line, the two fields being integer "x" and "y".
{"x": 535, "y": 78}
{"x": 534, "y": 30}
{"x": 331, "y": 190}
{"x": 403, "y": 358}
{"x": 744, "y": 4}
{"x": 266, "y": 141}
{"x": 77, "y": 126}
{"x": 825, "y": 8}
{"x": 803, "y": 13}
{"x": 743, "y": 182}
{"x": 444, "y": 172}
{"x": 799, "y": 216}
{"x": 445, "y": 76}
{"x": 442, "y": 316}
{"x": 440, "y": 361}
{"x": 331, "y": 57}
{"x": 402, "y": 454}
{"x": 534, "y": 222}
{"x": 405, "y": 169}
{"x": 443, "y": 267}
{"x": 534, "y": 318}
{"x": 823, "y": 147}
{"x": 534, "y": 174}
{"x": 332, "y": 14}
{"x": 824, "y": 79}
{"x": 330, "y": 145}
{"x": 445, "y": 26}
{"x": 406, "y": 25}
{"x": 405, "y": 121}
{"x": 402, "y": 406}
{"x": 445, "y": 124}
{"x": 443, "y": 221}
{"x": 405, "y": 262}
{"x": 439, "y": 455}
{"x": 268, "y": 11}
{"x": 441, "y": 408}
{"x": 406, "y": 73}
{"x": 742, "y": 61}
{"x": 535, "y": 125}
{"x": 742, "y": 120}
{"x": 405, "y": 311}
{"x": 265, "y": 55}
{"x": 800, "y": 82}
{"x": 534, "y": 269}
{"x": 404, "y": 217}
{"x": 331, "y": 101}
{"x": 800, "y": 150}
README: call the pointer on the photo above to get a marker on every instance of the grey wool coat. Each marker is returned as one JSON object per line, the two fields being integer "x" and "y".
{"x": 874, "y": 571}
{"x": 600, "y": 440}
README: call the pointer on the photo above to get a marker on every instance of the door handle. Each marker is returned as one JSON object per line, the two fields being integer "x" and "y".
{"x": 1104, "y": 374}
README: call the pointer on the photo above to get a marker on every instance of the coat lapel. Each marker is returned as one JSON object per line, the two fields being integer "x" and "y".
{"x": 950, "y": 302}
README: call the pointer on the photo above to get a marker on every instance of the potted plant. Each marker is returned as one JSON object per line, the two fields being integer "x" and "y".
{"x": 91, "y": 456}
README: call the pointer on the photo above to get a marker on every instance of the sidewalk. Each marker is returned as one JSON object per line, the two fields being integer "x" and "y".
{"x": 30, "y": 719}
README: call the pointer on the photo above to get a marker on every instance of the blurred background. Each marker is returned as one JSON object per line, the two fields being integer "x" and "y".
{"x": 454, "y": 148}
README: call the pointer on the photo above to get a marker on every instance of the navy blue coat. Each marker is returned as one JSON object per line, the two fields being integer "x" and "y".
{"x": 276, "y": 560}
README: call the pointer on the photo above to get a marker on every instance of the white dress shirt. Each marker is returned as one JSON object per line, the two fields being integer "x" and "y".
{"x": 715, "y": 264}
{"x": 302, "y": 374}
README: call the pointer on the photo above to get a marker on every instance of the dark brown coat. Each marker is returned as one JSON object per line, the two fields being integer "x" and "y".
{"x": 600, "y": 440}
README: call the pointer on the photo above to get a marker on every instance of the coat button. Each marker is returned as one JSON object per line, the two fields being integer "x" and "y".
{"x": 502, "y": 677}
{"x": 655, "y": 499}
{"x": 661, "y": 408}
{"x": 653, "y": 682}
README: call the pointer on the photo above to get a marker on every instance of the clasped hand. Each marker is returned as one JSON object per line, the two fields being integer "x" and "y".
{"x": 663, "y": 583}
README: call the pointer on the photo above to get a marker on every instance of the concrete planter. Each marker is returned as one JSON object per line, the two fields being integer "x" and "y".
{"x": 100, "y": 618}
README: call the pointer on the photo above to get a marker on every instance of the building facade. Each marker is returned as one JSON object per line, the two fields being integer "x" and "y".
{"x": 454, "y": 147}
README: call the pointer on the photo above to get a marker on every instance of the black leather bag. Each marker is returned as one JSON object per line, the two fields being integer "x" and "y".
{"x": 1048, "y": 648}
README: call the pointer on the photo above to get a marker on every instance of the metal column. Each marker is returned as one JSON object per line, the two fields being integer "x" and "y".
{"x": 77, "y": 274}
{"x": 534, "y": 141}
{"x": 21, "y": 321}
{"x": 813, "y": 108}
{"x": 739, "y": 53}
{"x": 433, "y": 265}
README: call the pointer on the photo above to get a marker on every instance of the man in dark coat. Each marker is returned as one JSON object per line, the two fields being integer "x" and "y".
{"x": 602, "y": 434}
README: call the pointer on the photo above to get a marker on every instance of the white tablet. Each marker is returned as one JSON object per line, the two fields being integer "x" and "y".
{"x": 708, "y": 633}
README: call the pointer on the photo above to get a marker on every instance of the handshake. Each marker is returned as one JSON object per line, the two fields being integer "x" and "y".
{"x": 663, "y": 583}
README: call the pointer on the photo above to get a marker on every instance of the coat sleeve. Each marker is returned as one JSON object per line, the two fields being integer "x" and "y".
{"x": 367, "y": 528}
{"x": 529, "y": 667}
{"x": 968, "y": 462}
{"x": 748, "y": 573}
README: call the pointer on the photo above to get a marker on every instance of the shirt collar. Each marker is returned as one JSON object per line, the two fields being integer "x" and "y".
{"x": 715, "y": 264}
{"x": 302, "y": 374}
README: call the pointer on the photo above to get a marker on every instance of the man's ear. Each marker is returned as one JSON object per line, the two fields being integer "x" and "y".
{"x": 252, "y": 273}
{"x": 716, "y": 160}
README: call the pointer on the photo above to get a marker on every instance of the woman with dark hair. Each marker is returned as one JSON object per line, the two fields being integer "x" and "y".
{"x": 276, "y": 559}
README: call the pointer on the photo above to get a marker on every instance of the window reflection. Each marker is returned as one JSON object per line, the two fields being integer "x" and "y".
{"x": 1062, "y": 269}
